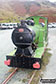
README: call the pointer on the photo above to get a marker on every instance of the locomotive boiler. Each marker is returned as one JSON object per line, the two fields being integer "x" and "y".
{"x": 30, "y": 39}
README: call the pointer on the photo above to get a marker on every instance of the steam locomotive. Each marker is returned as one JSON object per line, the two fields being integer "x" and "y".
{"x": 30, "y": 39}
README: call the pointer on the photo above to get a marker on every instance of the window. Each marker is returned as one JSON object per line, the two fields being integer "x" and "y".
{"x": 42, "y": 22}
{"x": 3, "y": 24}
{"x": 10, "y": 24}
{"x": 7, "y": 24}
{"x": 14, "y": 24}
{"x": 0, "y": 24}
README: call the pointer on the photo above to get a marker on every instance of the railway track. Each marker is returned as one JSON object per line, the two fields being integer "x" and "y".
{"x": 29, "y": 82}
{"x": 10, "y": 76}
{"x": 13, "y": 73}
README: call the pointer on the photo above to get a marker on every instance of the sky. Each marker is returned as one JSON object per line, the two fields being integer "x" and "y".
{"x": 52, "y": 0}
{"x": 32, "y": 0}
{"x": 49, "y": 0}
{"x": 41, "y": 0}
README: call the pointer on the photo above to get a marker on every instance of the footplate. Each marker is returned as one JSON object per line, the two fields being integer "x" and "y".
{"x": 24, "y": 62}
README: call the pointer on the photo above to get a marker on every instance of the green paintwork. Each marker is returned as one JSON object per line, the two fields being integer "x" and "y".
{"x": 41, "y": 32}
{"x": 41, "y": 36}
{"x": 12, "y": 53}
{"x": 39, "y": 52}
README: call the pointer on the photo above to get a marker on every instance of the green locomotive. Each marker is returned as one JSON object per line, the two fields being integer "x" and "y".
{"x": 30, "y": 39}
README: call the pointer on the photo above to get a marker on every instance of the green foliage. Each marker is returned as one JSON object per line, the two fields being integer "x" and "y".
{"x": 8, "y": 16}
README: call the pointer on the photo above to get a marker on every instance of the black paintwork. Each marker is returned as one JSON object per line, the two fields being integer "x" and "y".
{"x": 23, "y": 62}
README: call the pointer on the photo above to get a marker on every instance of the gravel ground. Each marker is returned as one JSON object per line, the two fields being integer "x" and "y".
{"x": 50, "y": 72}
{"x": 5, "y": 47}
{"x": 21, "y": 77}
